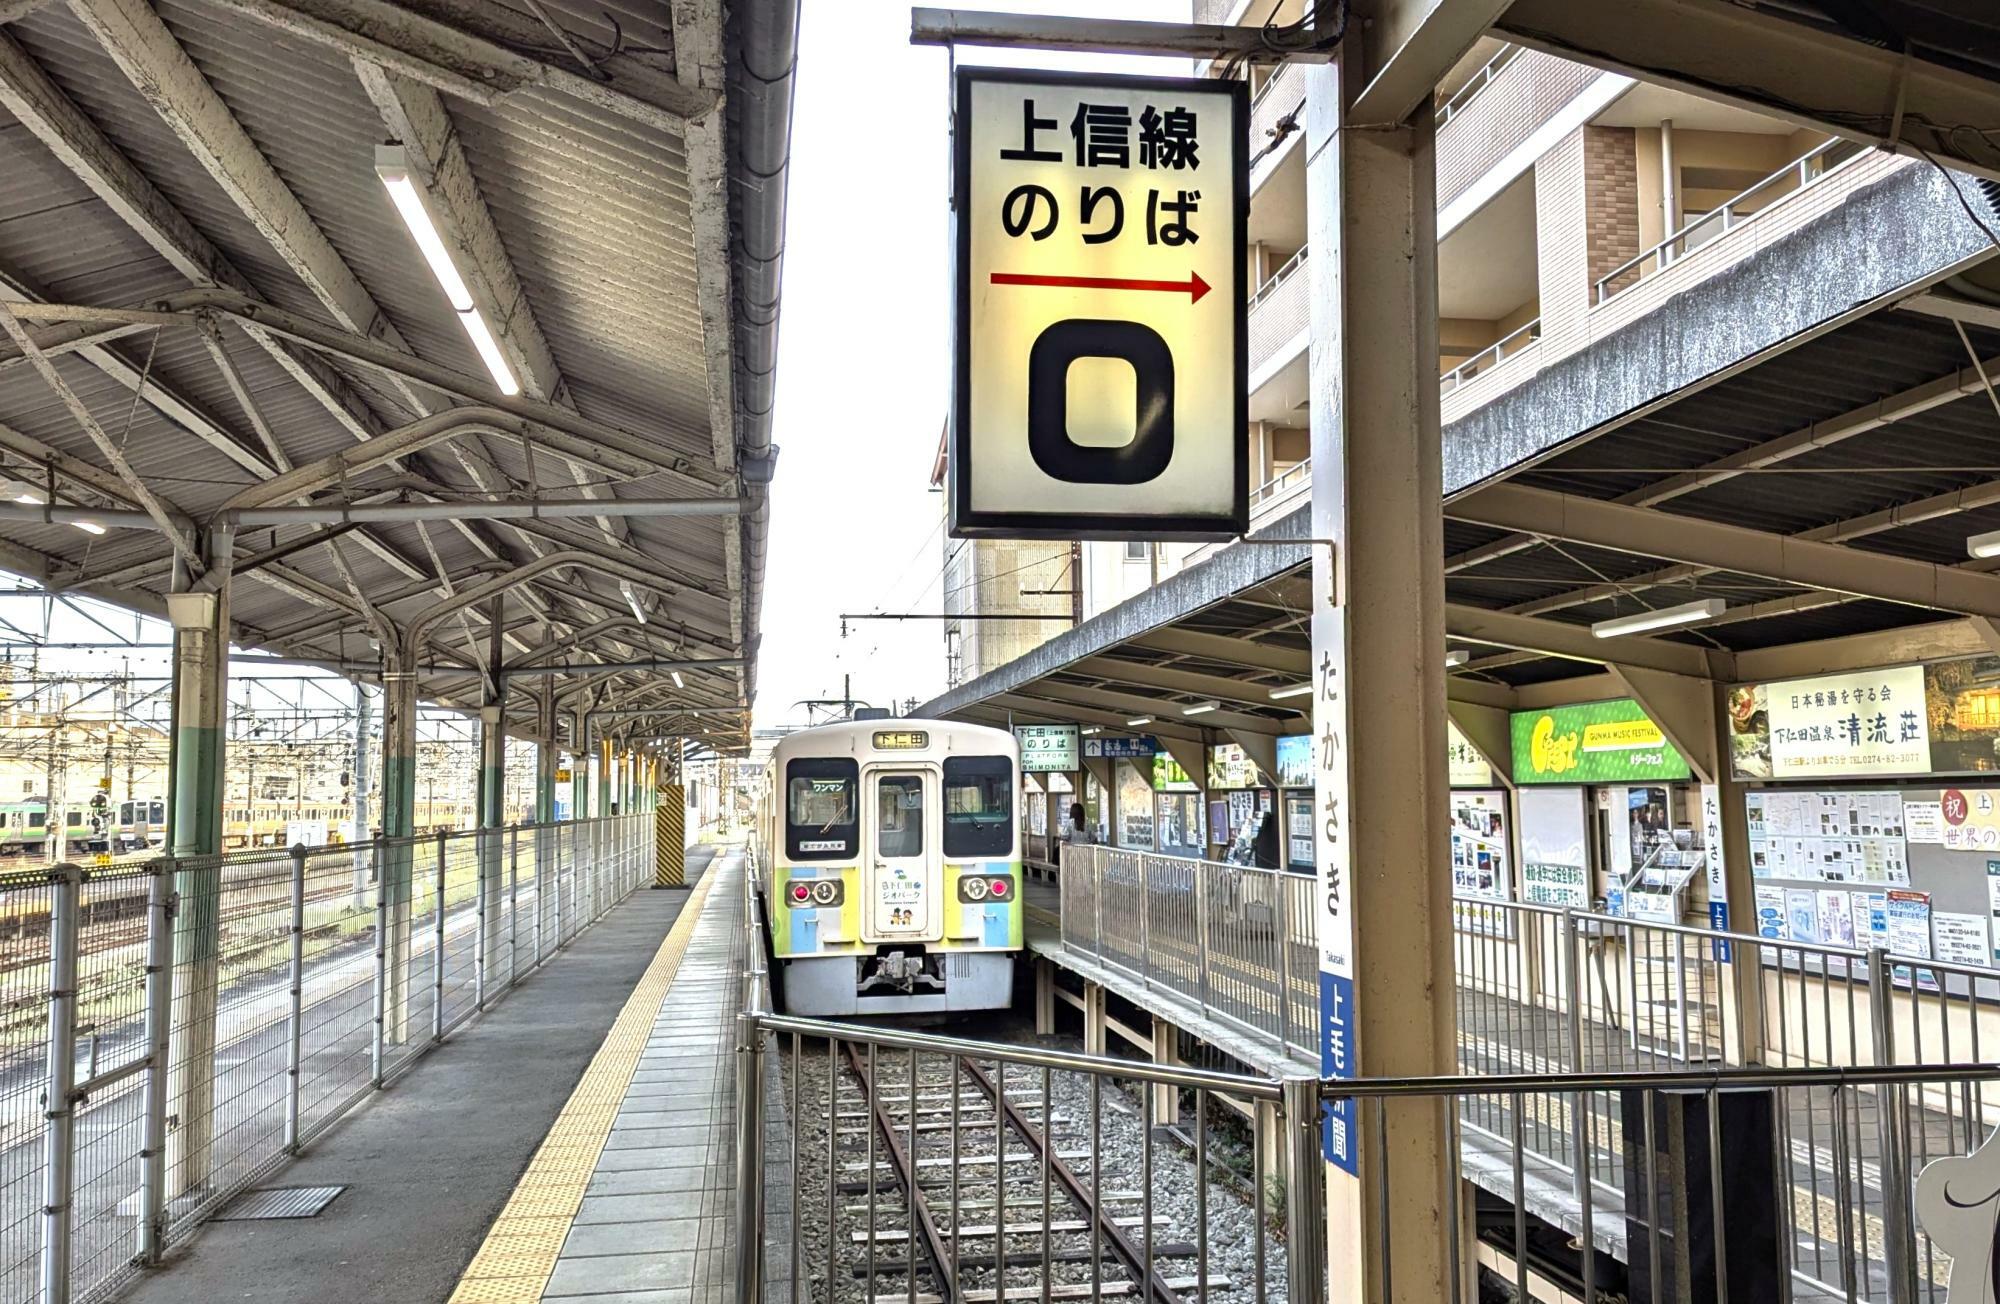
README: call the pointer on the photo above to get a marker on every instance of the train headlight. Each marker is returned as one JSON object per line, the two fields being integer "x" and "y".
{"x": 973, "y": 888}
{"x": 826, "y": 892}
{"x": 1001, "y": 887}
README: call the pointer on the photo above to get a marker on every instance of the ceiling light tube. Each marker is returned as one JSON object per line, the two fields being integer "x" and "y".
{"x": 392, "y": 165}
{"x": 1200, "y": 708}
{"x": 1688, "y": 613}
{"x": 678, "y": 681}
{"x": 1456, "y": 657}
{"x": 1984, "y": 545}
{"x": 88, "y": 527}
{"x": 1292, "y": 690}
{"x": 1134, "y": 724}
{"x": 632, "y": 600}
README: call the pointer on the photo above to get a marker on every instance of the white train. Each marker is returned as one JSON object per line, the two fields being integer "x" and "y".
{"x": 890, "y": 857}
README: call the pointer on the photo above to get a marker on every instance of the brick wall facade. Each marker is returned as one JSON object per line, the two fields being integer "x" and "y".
{"x": 1610, "y": 201}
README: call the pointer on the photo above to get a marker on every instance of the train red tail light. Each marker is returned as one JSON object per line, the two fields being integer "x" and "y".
{"x": 802, "y": 892}
{"x": 1001, "y": 887}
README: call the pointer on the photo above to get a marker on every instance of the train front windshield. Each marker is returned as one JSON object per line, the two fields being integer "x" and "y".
{"x": 820, "y": 808}
{"x": 978, "y": 806}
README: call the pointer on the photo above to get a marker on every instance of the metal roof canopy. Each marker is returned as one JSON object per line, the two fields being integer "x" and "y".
{"x": 211, "y": 305}
{"x": 1826, "y": 493}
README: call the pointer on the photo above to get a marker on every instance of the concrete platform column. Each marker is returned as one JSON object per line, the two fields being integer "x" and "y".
{"x": 1166, "y": 1051}
{"x": 1378, "y": 685}
{"x": 200, "y": 617}
{"x": 1093, "y": 1019}
{"x": 399, "y": 814}
{"x": 492, "y": 819}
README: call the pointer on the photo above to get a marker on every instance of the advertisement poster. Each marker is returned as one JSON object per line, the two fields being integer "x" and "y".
{"x": 1871, "y": 919}
{"x": 1168, "y": 776}
{"x": 1993, "y": 903}
{"x": 1909, "y": 930}
{"x": 1229, "y": 766}
{"x": 1802, "y": 914}
{"x": 1836, "y": 918}
{"x": 1923, "y": 822}
{"x": 1135, "y": 810}
{"x": 1046, "y": 747}
{"x": 1833, "y": 837}
{"x": 1859, "y": 723}
{"x": 1961, "y": 939}
{"x": 1971, "y": 819}
{"x": 1597, "y": 742}
{"x": 1465, "y": 767}
{"x": 1962, "y": 703}
{"x": 1295, "y": 761}
{"x": 1771, "y": 913}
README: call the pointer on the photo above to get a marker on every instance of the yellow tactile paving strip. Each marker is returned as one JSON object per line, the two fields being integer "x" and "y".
{"x": 514, "y": 1262}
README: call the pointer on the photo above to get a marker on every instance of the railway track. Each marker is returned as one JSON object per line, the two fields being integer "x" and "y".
{"x": 949, "y": 1182}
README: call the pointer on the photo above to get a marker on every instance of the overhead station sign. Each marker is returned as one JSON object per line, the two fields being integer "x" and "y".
{"x": 1101, "y": 346}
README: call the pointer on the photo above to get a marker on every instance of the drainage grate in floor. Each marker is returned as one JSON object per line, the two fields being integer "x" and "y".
{"x": 280, "y": 1202}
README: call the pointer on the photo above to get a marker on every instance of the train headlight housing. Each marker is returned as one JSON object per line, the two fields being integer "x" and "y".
{"x": 802, "y": 892}
{"x": 1001, "y": 887}
{"x": 972, "y": 889}
{"x": 826, "y": 892}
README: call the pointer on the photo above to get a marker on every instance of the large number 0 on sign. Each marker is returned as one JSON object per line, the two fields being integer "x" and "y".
{"x": 1101, "y": 343}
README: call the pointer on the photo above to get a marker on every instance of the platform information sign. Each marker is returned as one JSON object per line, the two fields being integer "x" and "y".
{"x": 1101, "y": 343}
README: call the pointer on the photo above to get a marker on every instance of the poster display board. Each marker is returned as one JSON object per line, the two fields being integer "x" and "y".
{"x": 1135, "y": 809}
{"x": 1596, "y": 742}
{"x": 1479, "y": 860}
{"x": 1465, "y": 766}
{"x": 1229, "y": 766}
{"x": 1835, "y": 837}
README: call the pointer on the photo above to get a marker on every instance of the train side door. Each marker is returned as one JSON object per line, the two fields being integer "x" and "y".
{"x": 899, "y": 845}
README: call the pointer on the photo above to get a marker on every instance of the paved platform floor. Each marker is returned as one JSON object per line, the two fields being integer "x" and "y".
{"x": 628, "y": 1200}
{"x": 429, "y": 1163}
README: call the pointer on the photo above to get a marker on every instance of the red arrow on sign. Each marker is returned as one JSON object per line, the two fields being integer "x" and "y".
{"x": 1193, "y": 287}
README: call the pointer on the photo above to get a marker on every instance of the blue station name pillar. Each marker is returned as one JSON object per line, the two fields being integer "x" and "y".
{"x": 199, "y": 612}
{"x": 1384, "y": 881}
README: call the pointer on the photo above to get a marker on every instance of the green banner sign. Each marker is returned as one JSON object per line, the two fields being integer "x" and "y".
{"x": 1597, "y": 742}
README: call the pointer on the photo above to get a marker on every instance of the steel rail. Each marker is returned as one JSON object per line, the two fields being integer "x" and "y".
{"x": 1005, "y": 1111}
{"x": 919, "y": 1206}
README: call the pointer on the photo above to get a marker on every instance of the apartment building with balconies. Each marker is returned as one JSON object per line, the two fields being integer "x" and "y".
{"x": 1602, "y": 243}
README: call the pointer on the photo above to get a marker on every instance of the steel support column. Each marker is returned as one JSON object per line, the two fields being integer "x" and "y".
{"x": 194, "y": 806}
{"x": 1378, "y": 676}
{"x": 546, "y": 755}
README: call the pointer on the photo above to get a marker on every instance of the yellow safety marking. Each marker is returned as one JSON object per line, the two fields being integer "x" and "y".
{"x": 669, "y": 830}
{"x": 519, "y": 1253}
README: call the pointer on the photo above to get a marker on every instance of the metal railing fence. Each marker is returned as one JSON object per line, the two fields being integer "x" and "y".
{"x": 1231, "y": 940}
{"x": 1542, "y": 992}
{"x": 175, "y": 1030}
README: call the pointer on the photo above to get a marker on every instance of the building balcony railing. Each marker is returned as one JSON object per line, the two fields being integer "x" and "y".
{"x": 1279, "y": 98}
{"x": 1504, "y": 347}
{"x": 1794, "y": 178}
{"x": 1280, "y": 309}
{"x": 1464, "y": 95}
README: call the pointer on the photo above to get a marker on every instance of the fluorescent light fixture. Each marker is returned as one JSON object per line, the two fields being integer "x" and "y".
{"x": 1688, "y": 613}
{"x": 1457, "y": 657}
{"x": 32, "y": 500}
{"x": 1294, "y": 690}
{"x": 1984, "y": 545}
{"x": 632, "y": 600}
{"x": 88, "y": 527}
{"x": 1092, "y": 730}
{"x": 392, "y": 164}
{"x": 1134, "y": 724}
{"x": 678, "y": 681}
{"x": 1200, "y": 708}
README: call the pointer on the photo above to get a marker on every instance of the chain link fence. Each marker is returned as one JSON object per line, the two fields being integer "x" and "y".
{"x": 171, "y": 1032}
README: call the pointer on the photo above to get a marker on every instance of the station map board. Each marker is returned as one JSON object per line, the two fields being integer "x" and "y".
{"x": 1101, "y": 346}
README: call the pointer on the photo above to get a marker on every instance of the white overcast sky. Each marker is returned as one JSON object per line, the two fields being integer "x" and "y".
{"x": 864, "y": 360}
